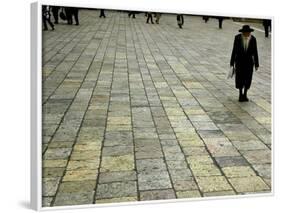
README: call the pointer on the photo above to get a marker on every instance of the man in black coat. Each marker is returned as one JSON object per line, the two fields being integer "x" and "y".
{"x": 244, "y": 57}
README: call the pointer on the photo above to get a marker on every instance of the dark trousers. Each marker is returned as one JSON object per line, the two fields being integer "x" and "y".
{"x": 45, "y": 21}
{"x": 180, "y": 20}
{"x": 220, "y": 22}
{"x": 149, "y": 17}
{"x": 132, "y": 13}
{"x": 75, "y": 14}
{"x": 102, "y": 13}
{"x": 55, "y": 11}
{"x": 68, "y": 14}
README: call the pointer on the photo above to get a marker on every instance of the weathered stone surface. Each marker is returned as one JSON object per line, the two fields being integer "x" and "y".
{"x": 213, "y": 184}
{"x": 157, "y": 194}
{"x": 116, "y": 190}
{"x": 120, "y": 163}
{"x": 248, "y": 184}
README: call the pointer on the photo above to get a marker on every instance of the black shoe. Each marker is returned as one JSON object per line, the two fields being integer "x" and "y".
{"x": 241, "y": 98}
{"x": 246, "y": 98}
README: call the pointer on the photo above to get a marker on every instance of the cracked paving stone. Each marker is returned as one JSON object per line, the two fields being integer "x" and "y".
{"x": 157, "y": 194}
{"x": 248, "y": 184}
{"x": 116, "y": 189}
{"x": 213, "y": 184}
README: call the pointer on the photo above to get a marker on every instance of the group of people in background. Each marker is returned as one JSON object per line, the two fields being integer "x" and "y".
{"x": 64, "y": 13}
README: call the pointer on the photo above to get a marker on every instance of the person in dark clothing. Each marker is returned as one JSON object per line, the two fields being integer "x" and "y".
{"x": 55, "y": 11}
{"x": 132, "y": 13}
{"x": 243, "y": 58}
{"x": 68, "y": 14}
{"x": 74, "y": 12}
{"x": 206, "y": 18}
{"x": 267, "y": 25}
{"x": 149, "y": 17}
{"x": 180, "y": 20}
{"x": 220, "y": 19}
{"x": 102, "y": 14}
{"x": 46, "y": 17}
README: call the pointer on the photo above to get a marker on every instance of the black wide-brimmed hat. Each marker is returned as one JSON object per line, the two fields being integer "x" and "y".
{"x": 246, "y": 28}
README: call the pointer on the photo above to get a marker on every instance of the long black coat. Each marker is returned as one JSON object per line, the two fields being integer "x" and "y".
{"x": 244, "y": 61}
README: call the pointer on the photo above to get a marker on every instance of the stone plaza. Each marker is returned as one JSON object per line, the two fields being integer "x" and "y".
{"x": 136, "y": 112}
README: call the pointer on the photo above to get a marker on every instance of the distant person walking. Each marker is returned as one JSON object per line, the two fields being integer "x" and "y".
{"x": 46, "y": 17}
{"x": 55, "y": 11}
{"x": 243, "y": 58}
{"x": 180, "y": 20}
{"x": 74, "y": 12}
{"x": 206, "y": 18}
{"x": 132, "y": 13}
{"x": 149, "y": 17}
{"x": 220, "y": 19}
{"x": 102, "y": 14}
{"x": 267, "y": 25}
{"x": 158, "y": 16}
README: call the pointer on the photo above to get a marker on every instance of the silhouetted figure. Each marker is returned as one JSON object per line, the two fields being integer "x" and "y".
{"x": 74, "y": 12}
{"x": 132, "y": 13}
{"x": 220, "y": 19}
{"x": 55, "y": 11}
{"x": 267, "y": 25}
{"x": 243, "y": 58}
{"x": 102, "y": 14}
{"x": 68, "y": 13}
{"x": 149, "y": 17}
{"x": 206, "y": 18}
{"x": 180, "y": 20}
{"x": 158, "y": 16}
{"x": 46, "y": 17}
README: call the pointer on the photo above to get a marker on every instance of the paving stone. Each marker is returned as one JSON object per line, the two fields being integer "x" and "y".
{"x": 238, "y": 171}
{"x": 176, "y": 164}
{"x": 46, "y": 201}
{"x": 258, "y": 156}
{"x": 85, "y": 155}
{"x": 77, "y": 186}
{"x": 117, "y": 150}
{"x": 213, "y": 184}
{"x": 53, "y": 172}
{"x": 264, "y": 170}
{"x": 50, "y": 186}
{"x": 188, "y": 194}
{"x": 83, "y": 164}
{"x": 185, "y": 185}
{"x": 108, "y": 177}
{"x": 117, "y": 200}
{"x": 68, "y": 199}
{"x": 150, "y": 165}
{"x": 203, "y": 170}
{"x": 249, "y": 145}
{"x": 248, "y": 184}
{"x": 222, "y": 193}
{"x": 180, "y": 174}
{"x": 58, "y": 153}
{"x": 120, "y": 163}
{"x": 190, "y": 151}
{"x": 116, "y": 190}
{"x": 54, "y": 163}
{"x": 199, "y": 159}
{"x": 157, "y": 194}
{"x": 80, "y": 175}
{"x": 154, "y": 180}
{"x": 231, "y": 161}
